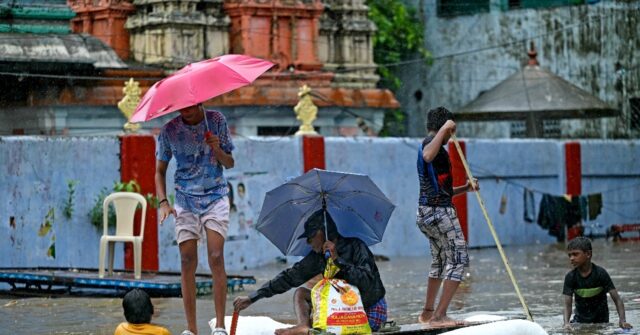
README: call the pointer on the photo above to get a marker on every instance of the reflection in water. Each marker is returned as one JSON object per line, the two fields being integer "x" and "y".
{"x": 540, "y": 271}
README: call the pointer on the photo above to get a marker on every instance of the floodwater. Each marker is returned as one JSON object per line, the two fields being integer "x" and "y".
{"x": 539, "y": 269}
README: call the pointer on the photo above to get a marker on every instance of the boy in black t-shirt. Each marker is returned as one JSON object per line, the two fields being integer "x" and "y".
{"x": 590, "y": 284}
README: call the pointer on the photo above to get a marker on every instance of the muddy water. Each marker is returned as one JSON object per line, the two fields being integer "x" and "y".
{"x": 540, "y": 270}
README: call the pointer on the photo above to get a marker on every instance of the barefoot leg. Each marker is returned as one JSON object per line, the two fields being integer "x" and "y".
{"x": 445, "y": 321}
{"x": 296, "y": 330}
{"x": 425, "y": 316}
{"x": 302, "y": 307}
{"x": 448, "y": 290}
{"x": 433, "y": 286}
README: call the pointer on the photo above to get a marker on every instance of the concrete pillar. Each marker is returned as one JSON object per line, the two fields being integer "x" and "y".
{"x": 573, "y": 168}
{"x": 313, "y": 152}
{"x": 573, "y": 178}
{"x": 459, "y": 178}
{"x": 138, "y": 162}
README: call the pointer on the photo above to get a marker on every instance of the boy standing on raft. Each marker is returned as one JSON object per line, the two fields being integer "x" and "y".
{"x": 437, "y": 218}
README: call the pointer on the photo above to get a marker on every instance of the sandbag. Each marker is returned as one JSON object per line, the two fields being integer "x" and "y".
{"x": 337, "y": 305}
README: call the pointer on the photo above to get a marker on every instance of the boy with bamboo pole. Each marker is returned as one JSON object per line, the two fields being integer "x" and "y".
{"x": 437, "y": 218}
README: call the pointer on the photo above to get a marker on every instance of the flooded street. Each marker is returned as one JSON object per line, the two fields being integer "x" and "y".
{"x": 540, "y": 271}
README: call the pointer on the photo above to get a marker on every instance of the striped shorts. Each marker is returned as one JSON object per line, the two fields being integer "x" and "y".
{"x": 448, "y": 246}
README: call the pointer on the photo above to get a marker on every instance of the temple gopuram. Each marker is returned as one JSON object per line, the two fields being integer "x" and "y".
{"x": 69, "y": 61}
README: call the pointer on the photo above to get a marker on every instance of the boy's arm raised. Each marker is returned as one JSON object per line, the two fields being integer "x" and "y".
{"x": 431, "y": 149}
{"x": 622, "y": 319}
{"x": 568, "y": 301}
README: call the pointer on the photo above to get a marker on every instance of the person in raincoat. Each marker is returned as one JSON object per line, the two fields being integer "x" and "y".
{"x": 357, "y": 267}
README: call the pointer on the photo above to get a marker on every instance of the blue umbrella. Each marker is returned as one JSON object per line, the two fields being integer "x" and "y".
{"x": 355, "y": 204}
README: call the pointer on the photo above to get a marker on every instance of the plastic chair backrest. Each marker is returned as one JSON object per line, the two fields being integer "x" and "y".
{"x": 125, "y": 204}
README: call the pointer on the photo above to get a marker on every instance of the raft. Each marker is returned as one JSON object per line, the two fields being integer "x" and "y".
{"x": 485, "y": 325}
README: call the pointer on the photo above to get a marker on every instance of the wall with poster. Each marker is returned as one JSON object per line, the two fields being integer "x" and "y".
{"x": 261, "y": 165}
{"x": 43, "y": 223}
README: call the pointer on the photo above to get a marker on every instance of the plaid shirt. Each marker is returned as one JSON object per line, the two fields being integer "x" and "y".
{"x": 199, "y": 178}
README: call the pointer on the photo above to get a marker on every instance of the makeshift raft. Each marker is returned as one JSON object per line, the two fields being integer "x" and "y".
{"x": 50, "y": 280}
{"x": 508, "y": 327}
{"x": 481, "y": 324}
{"x": 426, "y": 329}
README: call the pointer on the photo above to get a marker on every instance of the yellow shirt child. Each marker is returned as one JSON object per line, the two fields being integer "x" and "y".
{"x": 126, "y": 328}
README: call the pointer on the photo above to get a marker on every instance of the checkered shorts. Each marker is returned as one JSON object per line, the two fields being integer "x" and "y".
{"x": 448, "y": 246}
{"x": 377, "y": 314}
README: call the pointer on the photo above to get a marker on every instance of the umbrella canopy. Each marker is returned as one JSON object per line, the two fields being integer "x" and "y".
{"x": 199, "y": 82}
{"x": 534, "y": 94}
{"x": 355, "y": 203}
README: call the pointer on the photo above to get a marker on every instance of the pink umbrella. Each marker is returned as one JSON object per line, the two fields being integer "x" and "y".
{"x": 199, "y": 82}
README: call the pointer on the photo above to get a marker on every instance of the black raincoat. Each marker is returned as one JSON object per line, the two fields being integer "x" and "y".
{"x": 357, "y": 267}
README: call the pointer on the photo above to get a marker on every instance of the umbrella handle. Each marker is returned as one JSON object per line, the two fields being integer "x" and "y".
{"x": 327, "y": 254}
{"x": 206, "y": 122}
{"x": 208, "y": 133}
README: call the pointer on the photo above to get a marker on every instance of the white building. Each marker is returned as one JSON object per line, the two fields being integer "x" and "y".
{"x": 477, "y": 44}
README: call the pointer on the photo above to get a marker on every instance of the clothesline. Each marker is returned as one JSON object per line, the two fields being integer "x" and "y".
{"x": 626, "y": 202}
{"x": 487, "y": 173}
{"x": 555, "y": 214}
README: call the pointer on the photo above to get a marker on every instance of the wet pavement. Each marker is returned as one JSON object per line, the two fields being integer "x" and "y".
{"x": 540, "y": 271}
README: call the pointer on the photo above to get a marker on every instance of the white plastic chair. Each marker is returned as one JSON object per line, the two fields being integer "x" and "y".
{"x": 125, "y": 204}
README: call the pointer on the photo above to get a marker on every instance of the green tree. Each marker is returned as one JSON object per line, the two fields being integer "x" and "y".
{"x": 399, "y": 37}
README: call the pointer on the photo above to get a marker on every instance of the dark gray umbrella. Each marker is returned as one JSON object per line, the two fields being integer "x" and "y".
{"x": 534, "y": 94}
{"x": 357, "y": 206}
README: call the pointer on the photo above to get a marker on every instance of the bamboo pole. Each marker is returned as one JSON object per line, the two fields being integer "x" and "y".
{"x": 527, "y": 312}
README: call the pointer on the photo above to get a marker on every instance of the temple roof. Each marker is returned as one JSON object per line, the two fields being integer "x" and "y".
{"x": 36, "y": 36}
{"x": 35, "y": 17}
{"x": 58, "y": 48}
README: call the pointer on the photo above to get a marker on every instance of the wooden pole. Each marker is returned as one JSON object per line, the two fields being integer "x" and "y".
{"x": 493, "y": 231}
